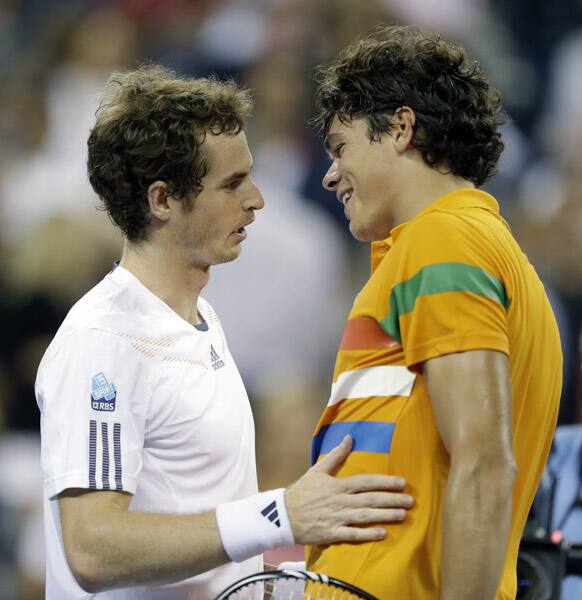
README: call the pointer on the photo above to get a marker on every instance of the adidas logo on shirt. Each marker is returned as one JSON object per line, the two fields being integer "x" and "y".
{"x": 217, "y": 362}
{"x": 271, "y": 513}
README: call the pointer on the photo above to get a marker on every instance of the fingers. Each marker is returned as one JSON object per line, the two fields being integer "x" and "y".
{"x": 373, "y": 516}
{"x": 381, "y": 500}
{"x": 335, "y": 458}
{"x": 352, "y": 525}
{"x": 367, "y": 483}
{"x": 359, "y": 534}
{"x": 354, "y": 530}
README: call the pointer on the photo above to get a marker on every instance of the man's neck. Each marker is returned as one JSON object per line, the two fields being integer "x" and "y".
{"x": 167, "y": 276}
{"x": 424, "y": 187}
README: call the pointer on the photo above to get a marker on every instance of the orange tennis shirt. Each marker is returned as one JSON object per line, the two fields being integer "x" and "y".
{"x": 452, "y": 279}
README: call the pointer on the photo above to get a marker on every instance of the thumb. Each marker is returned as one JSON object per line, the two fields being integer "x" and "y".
{"x": 335, "y": 458}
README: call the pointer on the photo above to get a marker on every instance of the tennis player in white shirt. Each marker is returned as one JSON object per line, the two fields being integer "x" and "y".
{"x": 147, "y": 434}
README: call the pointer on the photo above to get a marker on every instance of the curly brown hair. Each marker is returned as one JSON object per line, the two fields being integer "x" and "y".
{"x": 153, "y": 129}
{"x": 457, "y": 110}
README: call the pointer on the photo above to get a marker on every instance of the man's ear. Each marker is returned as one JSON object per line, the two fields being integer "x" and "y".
{"x": 403, "y": 123}
{"x": 158, "y": 200}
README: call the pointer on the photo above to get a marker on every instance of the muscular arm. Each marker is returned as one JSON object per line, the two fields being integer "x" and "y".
{"x": 107, "y": 546}
{"x": 471, "y": 396}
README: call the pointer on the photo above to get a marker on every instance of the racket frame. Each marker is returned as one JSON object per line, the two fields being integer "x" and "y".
{"x": 297, "y": 576}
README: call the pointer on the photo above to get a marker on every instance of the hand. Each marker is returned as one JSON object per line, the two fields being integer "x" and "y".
{"x": 324, "y": 509}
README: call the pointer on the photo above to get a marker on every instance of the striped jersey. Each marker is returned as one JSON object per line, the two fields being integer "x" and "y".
{"x": 451, "y": 279}
{"x": 135, "y": 399}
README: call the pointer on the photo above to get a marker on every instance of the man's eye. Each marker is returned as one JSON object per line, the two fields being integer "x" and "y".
{"x": 338, "y": 149}
{"x": 233, "y": 185}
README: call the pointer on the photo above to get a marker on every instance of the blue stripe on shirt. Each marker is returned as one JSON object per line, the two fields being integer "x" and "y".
{"x": 368, "y": 436}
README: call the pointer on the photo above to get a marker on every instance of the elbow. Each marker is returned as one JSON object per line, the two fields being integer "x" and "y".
{"x": 503, "y": 472}
{"x": 495, "y": 471}
{"x": 85, "y": 564}
{"x": 494, "y": 487}
{"x": 506, "y": 464}
{"x": 85, "y": 570}
{"x": 511, "y": 467}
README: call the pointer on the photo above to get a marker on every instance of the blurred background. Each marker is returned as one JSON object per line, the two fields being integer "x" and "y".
{"x": 283, "y": 303}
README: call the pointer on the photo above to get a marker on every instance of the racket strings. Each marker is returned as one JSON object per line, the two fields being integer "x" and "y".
{"x": 291, "y": 590}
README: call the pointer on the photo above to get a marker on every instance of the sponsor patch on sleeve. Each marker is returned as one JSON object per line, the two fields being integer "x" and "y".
{"x": 103, "y": 393}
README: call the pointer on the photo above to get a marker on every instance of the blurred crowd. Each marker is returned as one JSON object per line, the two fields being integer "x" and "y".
{"x": 284, "y": 301}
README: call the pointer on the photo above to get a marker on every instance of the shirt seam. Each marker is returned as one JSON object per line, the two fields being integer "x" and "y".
{"x": 474, "y": 341}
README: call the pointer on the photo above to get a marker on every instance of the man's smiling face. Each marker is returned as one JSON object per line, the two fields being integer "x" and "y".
{"x": 363, "y": 175}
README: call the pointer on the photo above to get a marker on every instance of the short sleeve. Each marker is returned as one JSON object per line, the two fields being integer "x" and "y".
{"x": 449, "y": 295}
{"x": 93, "y": 394}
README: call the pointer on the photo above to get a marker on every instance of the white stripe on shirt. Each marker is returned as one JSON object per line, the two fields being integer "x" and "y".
{"x": 389, "y": 380}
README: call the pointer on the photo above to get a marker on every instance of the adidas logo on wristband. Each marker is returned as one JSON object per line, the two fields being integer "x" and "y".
{"x": 271, "y": 513}
{"x": 243, "y": 529}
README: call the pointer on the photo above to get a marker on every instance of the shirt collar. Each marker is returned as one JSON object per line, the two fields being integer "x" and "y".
{"x": 146, "y": 303}
{"x": 463, "y": 198}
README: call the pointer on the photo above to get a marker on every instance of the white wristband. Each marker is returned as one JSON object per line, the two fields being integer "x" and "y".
{"x": 252, "y": 525}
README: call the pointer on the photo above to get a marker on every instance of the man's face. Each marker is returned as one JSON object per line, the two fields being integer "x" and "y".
{"x": 363, "y": 176}
{"x": 213, "y": 230}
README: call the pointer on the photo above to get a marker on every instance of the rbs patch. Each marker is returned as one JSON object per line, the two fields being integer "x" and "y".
{"x": 103, "y": 393}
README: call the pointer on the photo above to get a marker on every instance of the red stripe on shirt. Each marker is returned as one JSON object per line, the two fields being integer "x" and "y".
{"x": 365, "y": 333}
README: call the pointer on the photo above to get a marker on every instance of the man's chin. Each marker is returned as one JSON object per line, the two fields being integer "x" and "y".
{"x": 359, "y": 233}
{"x": 368, "y": 234}
{"x": 229, "y": 256}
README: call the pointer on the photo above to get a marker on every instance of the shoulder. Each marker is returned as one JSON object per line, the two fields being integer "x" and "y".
{"x": 436, "y": 227}
{"x": 105, "y": 317}
{"x": 86, "y": 343}
{"x": 96, "y": 325}
{"x": 442, "y": 237}
{"x": 82, "y": 359}
{"x": 442, "y": 252}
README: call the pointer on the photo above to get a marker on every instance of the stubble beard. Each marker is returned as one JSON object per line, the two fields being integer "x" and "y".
{"x": 199, "y": 250}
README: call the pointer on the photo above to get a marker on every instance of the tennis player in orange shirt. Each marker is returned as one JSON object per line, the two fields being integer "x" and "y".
{"x": 449, "y": 369}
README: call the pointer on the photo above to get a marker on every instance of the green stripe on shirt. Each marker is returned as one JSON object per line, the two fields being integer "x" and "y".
{"x": 436, "y": 279}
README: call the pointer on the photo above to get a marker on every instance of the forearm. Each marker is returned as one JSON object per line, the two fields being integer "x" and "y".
{"x": 132, "y": 548}
{"x": 476, "y": 522}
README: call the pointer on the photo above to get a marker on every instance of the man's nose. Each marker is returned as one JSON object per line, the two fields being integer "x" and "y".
{"x": 331, "y": 178}
{"x": 255, "y": 200}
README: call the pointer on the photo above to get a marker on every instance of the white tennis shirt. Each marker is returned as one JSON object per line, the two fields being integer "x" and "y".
{"x": 133, "y": 398}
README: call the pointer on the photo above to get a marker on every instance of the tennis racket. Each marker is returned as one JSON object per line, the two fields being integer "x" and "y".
{"x": 292, "y": 585}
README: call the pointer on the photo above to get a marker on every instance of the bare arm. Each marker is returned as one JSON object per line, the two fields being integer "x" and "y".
{"x": 107, "y": 546}
{"x": 471, "y": 396}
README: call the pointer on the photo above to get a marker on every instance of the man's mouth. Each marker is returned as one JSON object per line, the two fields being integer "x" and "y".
{"x": 242, "y": 230}
{"x": 345, "y": 196}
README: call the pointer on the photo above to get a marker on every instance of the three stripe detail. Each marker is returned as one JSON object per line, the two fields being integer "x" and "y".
{"x": 271, "y": 513}
{"x": 105, "y": 456}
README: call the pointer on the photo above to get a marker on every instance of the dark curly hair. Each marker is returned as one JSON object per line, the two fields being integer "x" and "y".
{"x": 457, "y": 111}
{"x": 153, "y": 128}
